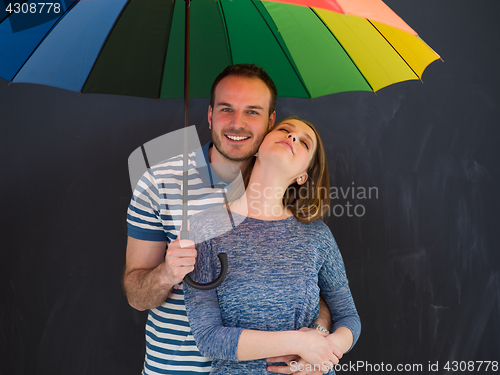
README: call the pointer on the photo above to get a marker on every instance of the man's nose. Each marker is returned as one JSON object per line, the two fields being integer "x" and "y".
{"x": 238, "y": 119}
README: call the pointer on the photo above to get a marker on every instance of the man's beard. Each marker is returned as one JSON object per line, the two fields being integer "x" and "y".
{"x": 218, "y": 145}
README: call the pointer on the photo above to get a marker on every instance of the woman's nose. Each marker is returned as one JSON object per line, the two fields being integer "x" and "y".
{"x": 292, "y": 137}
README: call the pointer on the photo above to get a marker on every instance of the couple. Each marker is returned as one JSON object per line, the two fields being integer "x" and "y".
{"x": 281, "y": 261}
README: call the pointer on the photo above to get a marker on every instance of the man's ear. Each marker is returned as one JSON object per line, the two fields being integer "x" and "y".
{"x": 209, "y": 116}
{"x": 272, "y": 118}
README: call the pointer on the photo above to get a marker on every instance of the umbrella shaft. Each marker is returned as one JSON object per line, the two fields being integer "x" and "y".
{"x": 186, "y": 64}
{"x": 184, "y": 235}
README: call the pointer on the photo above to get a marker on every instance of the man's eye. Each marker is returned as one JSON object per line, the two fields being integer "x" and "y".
{"x": 226, "y": 109}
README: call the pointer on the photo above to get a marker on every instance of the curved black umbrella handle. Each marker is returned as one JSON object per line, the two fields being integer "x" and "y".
{"x": 216, "y": 282}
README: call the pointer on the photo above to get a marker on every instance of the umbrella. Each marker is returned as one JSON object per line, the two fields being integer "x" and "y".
{"x": 138, "y": 47}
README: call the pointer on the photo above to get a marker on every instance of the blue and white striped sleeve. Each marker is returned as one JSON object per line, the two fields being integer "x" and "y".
{"x": 334, "y": 286}
{"x": 143, "y": 215}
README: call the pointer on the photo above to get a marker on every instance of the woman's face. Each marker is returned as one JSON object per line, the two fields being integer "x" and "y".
{"x": 291, "y": 144}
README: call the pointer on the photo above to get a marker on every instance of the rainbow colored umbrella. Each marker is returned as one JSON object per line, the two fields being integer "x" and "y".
{"x": 136, "y": 47}
{"x": 310, "y": 48}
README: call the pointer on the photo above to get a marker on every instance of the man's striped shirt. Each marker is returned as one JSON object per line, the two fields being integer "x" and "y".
{"x": 155, "y": 214}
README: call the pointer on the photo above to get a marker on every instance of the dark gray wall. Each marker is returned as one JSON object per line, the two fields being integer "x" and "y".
{"x": 423, "y": 261}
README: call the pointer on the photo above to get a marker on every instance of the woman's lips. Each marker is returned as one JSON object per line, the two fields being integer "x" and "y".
{"x": 287, "y": 144}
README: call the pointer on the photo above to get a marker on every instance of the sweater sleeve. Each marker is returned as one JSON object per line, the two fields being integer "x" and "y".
{"x": 334, "y": 286}
{"x": 204, "y": 313}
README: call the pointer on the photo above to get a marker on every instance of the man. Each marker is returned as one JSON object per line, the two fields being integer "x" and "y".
{"x": 241, "y": 112}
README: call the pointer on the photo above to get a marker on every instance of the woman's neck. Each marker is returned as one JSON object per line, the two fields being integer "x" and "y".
{"x": 263, "y": 198}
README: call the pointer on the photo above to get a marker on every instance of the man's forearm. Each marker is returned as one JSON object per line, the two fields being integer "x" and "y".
{"x": 146, "y": 289}
{"x": 324, "y": 318}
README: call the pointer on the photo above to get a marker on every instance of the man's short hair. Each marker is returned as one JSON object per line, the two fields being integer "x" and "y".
{"x": 250, "y": 71}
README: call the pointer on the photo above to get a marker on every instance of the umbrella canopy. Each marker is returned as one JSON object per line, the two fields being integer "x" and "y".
{"x": 309, "y": 48}
{"x": 136, "y": 47}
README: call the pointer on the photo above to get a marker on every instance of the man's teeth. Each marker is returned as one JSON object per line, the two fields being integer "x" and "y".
{"x": 236, "y": 138}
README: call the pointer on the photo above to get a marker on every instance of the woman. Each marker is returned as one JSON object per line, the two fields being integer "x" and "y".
{"x": 280, "y": 256}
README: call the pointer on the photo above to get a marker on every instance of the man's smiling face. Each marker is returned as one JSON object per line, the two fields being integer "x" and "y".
{"x": 240, "y": 118}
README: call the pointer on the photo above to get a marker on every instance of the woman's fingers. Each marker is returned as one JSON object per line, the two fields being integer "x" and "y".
{"x": 283, "y": 358}
{"x": 318, "y": 356}
{"x": 302, "y": 367}
{"x": 306, "y": 329}
{"x": 279, "y": 369}
{"x": 283, "y": 369}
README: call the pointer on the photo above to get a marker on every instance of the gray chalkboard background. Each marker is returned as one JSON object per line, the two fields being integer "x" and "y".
{"x": 421, "y": 251}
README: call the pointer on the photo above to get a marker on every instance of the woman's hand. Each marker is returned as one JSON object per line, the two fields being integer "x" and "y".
{"x": 342, "y": 338}
{"x": 315, "y": 349}
{"x": 298, "y": 366}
